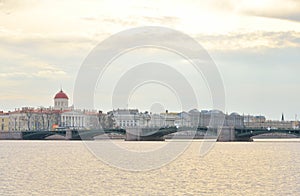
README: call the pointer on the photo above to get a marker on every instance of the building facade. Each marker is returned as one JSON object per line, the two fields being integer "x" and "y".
{"x": 133, "y": 118}
{"x": 60, "y": 115}
{"x": 31, "y": 119}
{"x": 273, "y": 124}
{"x": 61, "y": 101}
{"x": 130, "y": 118}
{"x": 214, "y": 118}
{"x": 4, "y": 121}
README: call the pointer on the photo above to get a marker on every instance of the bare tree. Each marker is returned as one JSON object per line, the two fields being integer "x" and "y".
{"x": 28, "y": 113}
{"x": 43, "y": 118}
{"x": 101, "y": 120}
{"x": 48, "y": 118}
{"x": 106, "y": 121}
{"x": 110, "y": 121}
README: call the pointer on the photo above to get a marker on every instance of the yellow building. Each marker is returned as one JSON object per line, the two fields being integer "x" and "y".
{"x": 4, "y": 121}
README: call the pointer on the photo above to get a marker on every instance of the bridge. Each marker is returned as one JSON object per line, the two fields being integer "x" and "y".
{"x": 157, "y": 134}
{"x": 153, "y": 134}
{"x": 131, "y": 134}
{"x": 246, "y": 134}
{"x": 224, "y": 134}
{"x": 69, "y": 134}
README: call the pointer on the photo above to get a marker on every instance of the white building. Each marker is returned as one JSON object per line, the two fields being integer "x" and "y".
{"x": 157, "y": 120}
{"x": 75, "y": 119}
{"x": 4, "y": 121}
{"x": 71, "y": 118}
{"x": 183, "y": 120}
{"x": 169, "y": 118}
{"x": 61, "y": 101}
{"x": 130, "y": 118}
{"x": 133, "y": 118}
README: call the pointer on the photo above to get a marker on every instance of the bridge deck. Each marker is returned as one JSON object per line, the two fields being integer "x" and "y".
{"x": 153, "y": 133}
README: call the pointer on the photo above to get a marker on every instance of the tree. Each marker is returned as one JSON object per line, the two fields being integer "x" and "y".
{"x": 110, "y": 121}
{"x": 48, "y": 118}
{"x": 101, "y": 120}
{"x": 28, "y": 112}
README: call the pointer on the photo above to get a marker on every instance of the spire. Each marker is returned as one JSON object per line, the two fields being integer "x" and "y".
{"x": 282, "y": 117}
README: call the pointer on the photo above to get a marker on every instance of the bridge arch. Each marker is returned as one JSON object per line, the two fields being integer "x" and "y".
{"x": 40, "y": 135}
{"x": 251, "y": 132}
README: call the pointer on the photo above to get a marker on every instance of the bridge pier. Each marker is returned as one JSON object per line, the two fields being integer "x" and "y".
{"x": 11, "y": 135}
{"x": 133, "y": 134}
{"x": 69, "y": 135}
{"x": 227, "y": 134}
{"x": 137, "y": 134}
{"x": 244, "y": 139}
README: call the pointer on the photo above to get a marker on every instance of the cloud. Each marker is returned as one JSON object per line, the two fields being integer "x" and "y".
{"x": 163, "y": 20}
{"x": 17, "y": 5}
{"x": 35, "y": 41}
{"x": 288, "y": 9}
{"x": 34, "y": 52}
{"x": 135, "y": 20}
{"x": 50, "y": 74}
{"x": 250, "y": 40}
{"x": 42, "y": 44}
{"x": 118, "y": 21}
{"x": 46, "y": 72}
{"x": 14, "y": 75}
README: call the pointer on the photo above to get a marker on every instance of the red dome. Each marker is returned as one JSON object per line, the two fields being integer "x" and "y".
{"x": 61, "y": 95}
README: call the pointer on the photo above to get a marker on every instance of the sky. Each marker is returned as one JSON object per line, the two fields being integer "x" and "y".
{"x": 254, "y": 43}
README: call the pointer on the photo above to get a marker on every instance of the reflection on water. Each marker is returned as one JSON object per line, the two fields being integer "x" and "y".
{"x": 67, "y": 167}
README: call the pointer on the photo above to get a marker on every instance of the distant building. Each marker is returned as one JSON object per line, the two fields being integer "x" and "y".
{"x": 4, "y": 121}
{"x": 61, "y": 115}
{"x": 273, "y": 124}
{"x": 169, "y": 118}
{"x": 61, "y": 101}
{"x": 31, "y": 119}
{"x": 133, "y": 118}
{"x": 183, "y": 119}
{"x": 254, "y": 119}
{"x": 195, "y": 117}
{"x": 214, "y": 118}
{"x": 130, "y": 118}
{"x": 74, "y": 119}
{"x": 157, "y": 120}
{"x": 234, "y": 120}
{"x": 261, "y": 122}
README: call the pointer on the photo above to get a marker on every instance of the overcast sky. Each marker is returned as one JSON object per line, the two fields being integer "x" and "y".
{"x": 254, "y": 43}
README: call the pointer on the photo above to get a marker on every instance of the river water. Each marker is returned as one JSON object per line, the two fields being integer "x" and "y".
{"x": 262, "y": 167}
